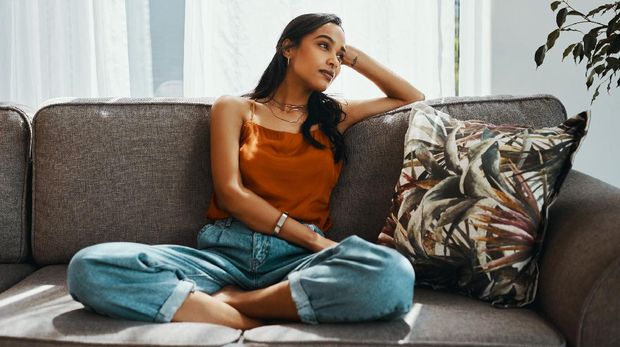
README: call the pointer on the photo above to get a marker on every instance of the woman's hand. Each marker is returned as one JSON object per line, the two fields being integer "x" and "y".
{"x": 386, "y": 240}
{"x": 350, "y": 56}
{"x": 322, "y": 243}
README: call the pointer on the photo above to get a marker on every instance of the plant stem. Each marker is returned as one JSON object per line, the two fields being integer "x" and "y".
{"x": 586, "y": 17}
{"x": 586, "y": 22}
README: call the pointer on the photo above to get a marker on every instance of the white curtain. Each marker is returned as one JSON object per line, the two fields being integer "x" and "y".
{"x": 475, "y": 47}
{"x": 76, "y": 48}
{"x": 229, "y": 43}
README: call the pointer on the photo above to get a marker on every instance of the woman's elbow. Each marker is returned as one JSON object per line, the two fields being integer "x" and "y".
{"x": 413, "y": 98}
{"x": 419, "y": 97}
{"x": 228, "y": 198}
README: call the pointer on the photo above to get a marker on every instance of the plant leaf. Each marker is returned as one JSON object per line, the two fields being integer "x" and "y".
{"x": 612, "y": 61}
{"x": 589, "y": 42}
{"x": 451, "y": 153}
{"x": 590, "y": 79}
{"x": 430, "y": 164}
{"x": 507, "y": 260}
{"x": 561, "y": 17}
{"x": 596, "y": 10}
{"x": 568, "y": 50}
{"x": 577, "y": 51}
{"x": 474, "y": 182}
{"x": 551, "y": 38}
{"x": 596, "y": 93}
{"x": 554, "y": 5}
{"x": 539, "y": 56}
{"x": 614, "y": 46}
{"x": 594, "y": 60}
{"x": 436, "y": 200}
{"x": 454, "y": 214}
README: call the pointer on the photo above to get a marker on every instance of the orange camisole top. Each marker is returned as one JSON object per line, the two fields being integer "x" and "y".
{"x": 287, "y": 171}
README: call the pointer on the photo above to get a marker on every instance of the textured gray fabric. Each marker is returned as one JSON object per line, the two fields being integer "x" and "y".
{"x": 361, "y": 200}
{"x": 578, "y": 281}
{"x": 15, "y": 139}
{"x": 118, "y": 171}
{"x": 10, "y": 274}
{"x": 138, "y": 169}
{"x": 126, "y": 100}
{"x": 602, "y": 304}
{"x": 437, "y": 319}
{"x": 40, "y": 311}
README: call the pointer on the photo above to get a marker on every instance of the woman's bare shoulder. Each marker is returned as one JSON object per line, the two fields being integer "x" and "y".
{"x": 233, "y": 104}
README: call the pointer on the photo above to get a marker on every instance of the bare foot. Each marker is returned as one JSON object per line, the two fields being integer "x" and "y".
{"x": 273, "y": 302}
{"x": 202, "y": 307}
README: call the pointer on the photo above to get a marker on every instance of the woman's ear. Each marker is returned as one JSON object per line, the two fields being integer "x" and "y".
{"x": 287, "y": 48}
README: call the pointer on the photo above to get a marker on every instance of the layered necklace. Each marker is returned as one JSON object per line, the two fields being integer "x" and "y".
{"x": 287, "y": 108}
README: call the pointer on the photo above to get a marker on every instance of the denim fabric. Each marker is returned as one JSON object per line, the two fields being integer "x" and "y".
{"x": 351, "y": 282}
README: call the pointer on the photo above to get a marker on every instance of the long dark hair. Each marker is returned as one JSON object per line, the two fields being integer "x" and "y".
{"x": 322, "y": 109}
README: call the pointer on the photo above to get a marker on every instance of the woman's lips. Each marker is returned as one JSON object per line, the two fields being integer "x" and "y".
{"x": 327, "y": 75}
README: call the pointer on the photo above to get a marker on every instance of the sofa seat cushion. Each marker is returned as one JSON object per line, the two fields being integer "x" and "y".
{"x": 39, "y": 311}
{"x": 438, "y": 318}
{"x": 13, "y": 273}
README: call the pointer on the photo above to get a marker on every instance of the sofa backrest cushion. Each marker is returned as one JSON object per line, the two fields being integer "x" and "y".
{"x": 138, "y": 170}
{"x": 132, "y": 170}
{"x": 15, "y": 138}
{"x": 361, "y": 199}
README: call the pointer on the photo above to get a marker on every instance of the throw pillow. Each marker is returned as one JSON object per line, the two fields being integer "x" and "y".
{"x": 470, "y": 207}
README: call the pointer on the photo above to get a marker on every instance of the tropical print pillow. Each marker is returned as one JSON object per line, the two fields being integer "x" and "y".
{"x": 470, "y": 207}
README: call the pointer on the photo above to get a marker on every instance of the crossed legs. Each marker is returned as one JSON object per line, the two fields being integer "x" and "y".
{"x": 354, "y": 281}
{"x": 239, "y": 309}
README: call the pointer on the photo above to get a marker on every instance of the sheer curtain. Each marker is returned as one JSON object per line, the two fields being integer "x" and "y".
{"x": 84, "y": 48}
{"x": 475, "y": 47}
{"x": 228, "y": 43}
{"x": 97, "y": 48}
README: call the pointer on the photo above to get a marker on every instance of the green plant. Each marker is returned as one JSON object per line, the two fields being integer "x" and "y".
{"x": 601, "y": 52}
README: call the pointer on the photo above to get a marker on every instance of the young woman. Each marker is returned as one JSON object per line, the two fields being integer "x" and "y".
{"x": 276, "y": 154}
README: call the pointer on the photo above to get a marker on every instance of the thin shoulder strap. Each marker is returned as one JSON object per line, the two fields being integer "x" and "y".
{"x": 252, "y": 116}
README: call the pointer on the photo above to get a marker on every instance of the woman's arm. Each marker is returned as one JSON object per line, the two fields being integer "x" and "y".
{"x": 255, "y": 212}
{"x": 398, "y": 91}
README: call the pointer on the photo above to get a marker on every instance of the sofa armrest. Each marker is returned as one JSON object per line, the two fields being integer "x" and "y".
{"x": 579, "y": 266}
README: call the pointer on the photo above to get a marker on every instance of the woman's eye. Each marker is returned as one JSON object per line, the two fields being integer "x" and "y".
{"x": 323, "y": 45}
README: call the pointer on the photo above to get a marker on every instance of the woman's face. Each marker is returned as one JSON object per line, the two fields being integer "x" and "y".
{"x": 319, "y": 54}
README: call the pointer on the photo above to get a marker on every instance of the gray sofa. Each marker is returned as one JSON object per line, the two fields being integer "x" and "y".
{"x": 139, "y": 170}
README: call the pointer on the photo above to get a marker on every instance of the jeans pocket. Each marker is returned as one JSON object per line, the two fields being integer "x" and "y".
{"x": 204, "y": 229}
{"x": 209, "y": 236}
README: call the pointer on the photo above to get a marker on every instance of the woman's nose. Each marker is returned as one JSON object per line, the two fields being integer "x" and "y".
{"x": 333, "y": 62}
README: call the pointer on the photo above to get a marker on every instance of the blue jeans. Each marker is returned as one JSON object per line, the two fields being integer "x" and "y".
{"x": 351, "y": 282}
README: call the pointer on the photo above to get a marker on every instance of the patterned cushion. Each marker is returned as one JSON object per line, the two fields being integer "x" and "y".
{"x": 470, "y": 207}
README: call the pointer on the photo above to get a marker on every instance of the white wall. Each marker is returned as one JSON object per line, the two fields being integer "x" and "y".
{"x": 517, "y": 29}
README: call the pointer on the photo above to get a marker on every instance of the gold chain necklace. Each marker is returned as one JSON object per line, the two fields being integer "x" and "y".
{"x": 283, "y": 106}
{"x": 286, "y": 120}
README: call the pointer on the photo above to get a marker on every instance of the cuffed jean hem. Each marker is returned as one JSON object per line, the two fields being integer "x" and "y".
{"x": 175, "y": 300}
{"x": 301, "y": 299}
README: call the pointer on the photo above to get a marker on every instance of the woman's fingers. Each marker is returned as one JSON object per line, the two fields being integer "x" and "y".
{"x": 386, "y": 240}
